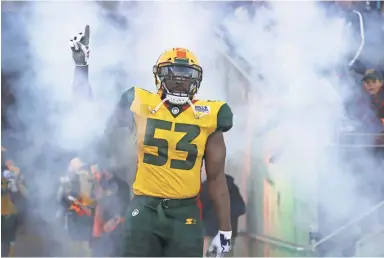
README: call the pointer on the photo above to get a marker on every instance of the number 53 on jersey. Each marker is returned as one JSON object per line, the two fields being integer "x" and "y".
{"x": 185, "y": 144}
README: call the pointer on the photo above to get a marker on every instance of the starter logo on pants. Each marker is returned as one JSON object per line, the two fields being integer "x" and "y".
{"x": 190, "y": 221}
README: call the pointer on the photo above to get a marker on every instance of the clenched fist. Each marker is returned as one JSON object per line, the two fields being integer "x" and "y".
{"x": 80, "y": 47}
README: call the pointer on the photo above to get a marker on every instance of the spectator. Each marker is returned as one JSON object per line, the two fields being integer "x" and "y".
{"x": 373, "y": 85}
{"x": 210, "y": 221}
{"x": 367, "y": 107}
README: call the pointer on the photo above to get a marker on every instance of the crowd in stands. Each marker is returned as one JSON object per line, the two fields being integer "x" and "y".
{"x": 371, "y": 64}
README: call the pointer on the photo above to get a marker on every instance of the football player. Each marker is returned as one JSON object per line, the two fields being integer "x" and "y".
{"x": 75, "y": 194}
{"x": 12, "y": 189}
{"x": 174, "y": 134}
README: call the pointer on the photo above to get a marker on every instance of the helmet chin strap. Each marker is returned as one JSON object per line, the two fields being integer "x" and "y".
{"x": 197, "y": 116}
{"x": 176, "y": 100}
{"x": 153, "y": 111}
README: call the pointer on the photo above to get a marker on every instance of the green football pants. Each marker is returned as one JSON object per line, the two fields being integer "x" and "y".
{"x": 163, "y": 227}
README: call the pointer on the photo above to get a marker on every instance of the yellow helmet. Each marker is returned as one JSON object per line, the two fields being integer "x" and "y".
{"x": 178, "y": 75}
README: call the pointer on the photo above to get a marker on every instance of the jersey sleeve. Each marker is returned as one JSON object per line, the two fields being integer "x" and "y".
{"x": 123, "y": 116}
{"x": 101, "y": 149}
{"x": 224, "y": 118}
{"x": 126, "y": 99}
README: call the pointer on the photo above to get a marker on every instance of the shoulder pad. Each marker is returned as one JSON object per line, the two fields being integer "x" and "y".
{"x": 224, "y": 118}
{"x": 127, "y": 98}
{"x": 144, "y": 90}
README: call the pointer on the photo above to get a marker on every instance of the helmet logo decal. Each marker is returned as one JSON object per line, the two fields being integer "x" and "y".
{"x": 181, "y": 53}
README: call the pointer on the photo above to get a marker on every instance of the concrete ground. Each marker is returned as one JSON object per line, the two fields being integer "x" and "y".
{"x": 39, "y": 239}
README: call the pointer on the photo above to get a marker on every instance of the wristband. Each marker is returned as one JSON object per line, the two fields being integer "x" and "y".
{"x": 226, "y": 234}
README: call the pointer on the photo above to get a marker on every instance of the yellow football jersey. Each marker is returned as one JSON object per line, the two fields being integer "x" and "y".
{"x": 171, "y": 142}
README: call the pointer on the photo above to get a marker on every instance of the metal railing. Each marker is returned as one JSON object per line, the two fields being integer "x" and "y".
{"x": 277, "y": 242}
{"x": 251, "y": 244}
{"x": 311, "y": 249}
{"x": 360, "y": 140}
{"x": 350, "y": 223}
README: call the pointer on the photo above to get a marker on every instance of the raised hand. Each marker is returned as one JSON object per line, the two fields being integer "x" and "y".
{"x": 80, "y": 47}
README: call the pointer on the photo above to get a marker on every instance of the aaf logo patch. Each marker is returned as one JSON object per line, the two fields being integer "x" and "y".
{"x": 203, "y": 109}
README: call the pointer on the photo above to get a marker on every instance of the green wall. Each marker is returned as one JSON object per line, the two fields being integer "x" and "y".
{"x": 275, "y": 209}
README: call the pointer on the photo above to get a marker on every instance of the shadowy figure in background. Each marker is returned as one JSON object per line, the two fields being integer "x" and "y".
{"x": 210, "y": 221}
{"x": 367, "y": 108}
{"x": 373, "y": 87}
{"x": 113, "y": 196}
{"x": 76, "y": 195}
{"x": 13, "y": 191}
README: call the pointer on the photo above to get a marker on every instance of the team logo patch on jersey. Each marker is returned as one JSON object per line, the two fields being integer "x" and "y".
{"x": 203, "y": 109}
{"x": 175, "y": 110}
{"x": 135, "y": 212}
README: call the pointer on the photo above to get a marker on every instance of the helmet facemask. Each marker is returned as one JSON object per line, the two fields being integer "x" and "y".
{"x": 179, "y": 82}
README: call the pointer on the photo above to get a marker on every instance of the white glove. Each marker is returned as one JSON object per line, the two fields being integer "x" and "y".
{"x": 64, "y": 179}
{"x": 12, "y": 185}
{"x": 80, "y": 47}
{"x": 11, "y": 180}
{"x": 220, "y": 245}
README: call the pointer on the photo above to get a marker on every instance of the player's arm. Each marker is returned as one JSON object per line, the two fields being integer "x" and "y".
{"x": 81, "y": 88}
{"x": 215, "y": 153}
{"x": 79, "y": 44}
{"x": 122, "y": 115}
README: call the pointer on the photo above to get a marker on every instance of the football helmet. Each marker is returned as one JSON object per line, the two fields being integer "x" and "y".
{"x": 178, "y": 75}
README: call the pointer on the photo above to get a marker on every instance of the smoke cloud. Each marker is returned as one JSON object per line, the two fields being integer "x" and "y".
{"x": 286, "y": 52}
{"x": 293, "y": 47}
